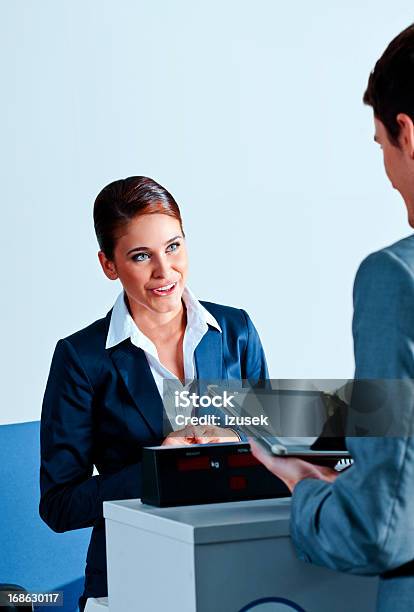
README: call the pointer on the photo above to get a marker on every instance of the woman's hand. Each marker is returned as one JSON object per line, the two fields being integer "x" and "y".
{"x": 198, "y": 434}
{"x": 290, "y": 470}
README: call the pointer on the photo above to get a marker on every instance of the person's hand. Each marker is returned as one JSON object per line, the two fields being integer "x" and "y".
{"x": 198, "y": 434}
{"x": 292, "y": 470}
{"x": 211, "y": 434}
{"x": 181, "y": 437}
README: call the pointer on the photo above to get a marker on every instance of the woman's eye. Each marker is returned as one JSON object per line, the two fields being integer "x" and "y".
{"x": 140, "y": 257}
{"x": 173, "y": 246}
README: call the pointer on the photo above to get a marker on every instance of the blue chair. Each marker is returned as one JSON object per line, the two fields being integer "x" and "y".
{"x": 31, "y": 554}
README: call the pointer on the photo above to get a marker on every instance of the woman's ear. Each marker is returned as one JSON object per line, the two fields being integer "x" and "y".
{"x": 108, "y": 266}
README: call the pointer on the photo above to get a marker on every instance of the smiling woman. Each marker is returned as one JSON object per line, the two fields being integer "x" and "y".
{"x": 140, "y": 232}
{"x": 103, "y": 400}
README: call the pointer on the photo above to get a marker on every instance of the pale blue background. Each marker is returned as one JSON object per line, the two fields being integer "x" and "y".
{"x": 249, "y": 113}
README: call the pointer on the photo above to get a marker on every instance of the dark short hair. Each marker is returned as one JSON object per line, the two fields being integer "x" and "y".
{"x": 125, "y": 199}
{"x": 390, "y": 87}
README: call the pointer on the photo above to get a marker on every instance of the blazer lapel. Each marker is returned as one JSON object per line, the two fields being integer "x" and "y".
{"x": 132, "y": 365}
{"x": 209, "y": 357}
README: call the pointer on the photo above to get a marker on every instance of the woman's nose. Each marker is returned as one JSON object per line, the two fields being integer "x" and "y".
{"x": 161, "y": 267}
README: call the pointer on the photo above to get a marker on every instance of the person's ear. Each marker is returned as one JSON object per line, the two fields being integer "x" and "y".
{"x": 406, "y": 136}
{"x": 108, "y": 266}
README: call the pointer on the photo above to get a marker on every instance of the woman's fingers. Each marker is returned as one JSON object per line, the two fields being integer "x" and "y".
{"x": 212, "y": 434}
{"x": 198, "y": 434}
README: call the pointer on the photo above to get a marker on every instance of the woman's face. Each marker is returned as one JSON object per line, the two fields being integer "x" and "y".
{"x": 150, "y": 260}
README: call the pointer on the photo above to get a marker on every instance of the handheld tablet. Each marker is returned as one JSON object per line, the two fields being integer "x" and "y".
{"x": 275, "y": 446}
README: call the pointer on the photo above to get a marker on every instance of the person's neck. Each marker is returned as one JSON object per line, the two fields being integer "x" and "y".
{"x": 161, "y": 327}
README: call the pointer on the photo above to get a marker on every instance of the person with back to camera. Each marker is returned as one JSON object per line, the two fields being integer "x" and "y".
{"x": 102, "y": 402}
{"x": 362, "y": 521}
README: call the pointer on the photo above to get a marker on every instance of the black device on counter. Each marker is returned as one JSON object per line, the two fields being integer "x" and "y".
{"x": 204, "y": 474}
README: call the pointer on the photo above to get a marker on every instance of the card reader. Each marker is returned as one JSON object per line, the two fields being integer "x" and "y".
{"x": 205, "y": 473}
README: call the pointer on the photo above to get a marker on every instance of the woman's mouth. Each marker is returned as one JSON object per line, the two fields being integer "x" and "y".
{"x": 165, "y": 289}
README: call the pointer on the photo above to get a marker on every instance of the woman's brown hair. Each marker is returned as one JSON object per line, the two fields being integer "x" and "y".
{"x": 125, "y": 199}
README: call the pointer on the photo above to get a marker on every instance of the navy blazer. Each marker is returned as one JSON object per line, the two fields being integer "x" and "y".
{"x": 101, "y": 406}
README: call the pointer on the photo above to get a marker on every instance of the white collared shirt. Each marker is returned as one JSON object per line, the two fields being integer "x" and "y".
{"x": 123, "y": 326}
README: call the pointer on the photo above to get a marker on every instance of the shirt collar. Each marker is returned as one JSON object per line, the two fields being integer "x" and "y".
{"x": 122, "y": 326}
{"x": 196, "y": 313}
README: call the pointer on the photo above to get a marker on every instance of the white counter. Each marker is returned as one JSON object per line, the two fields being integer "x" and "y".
{"x": 218, "y": 557}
